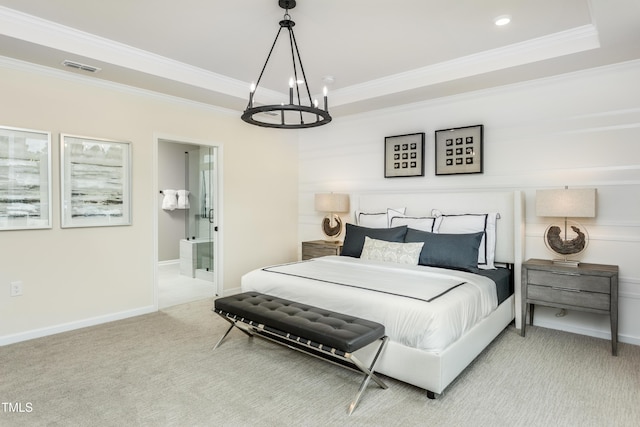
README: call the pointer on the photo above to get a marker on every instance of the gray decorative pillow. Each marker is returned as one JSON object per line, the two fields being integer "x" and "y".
{"x": 400, "y": 253}
{"x": 473, "y": 223}
{"x": 354, "y": 237}
{"x": 457, "y": 251}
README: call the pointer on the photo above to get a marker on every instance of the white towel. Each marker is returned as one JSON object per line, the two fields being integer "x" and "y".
{"x": 183, "y": 199}
{"x": 170, "y": 201}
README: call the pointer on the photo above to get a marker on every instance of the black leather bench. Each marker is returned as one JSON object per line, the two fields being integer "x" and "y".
{"x": 312, "y": 330}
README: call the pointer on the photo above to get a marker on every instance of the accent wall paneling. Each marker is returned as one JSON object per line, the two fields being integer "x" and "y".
{"x": 579, "y": 130}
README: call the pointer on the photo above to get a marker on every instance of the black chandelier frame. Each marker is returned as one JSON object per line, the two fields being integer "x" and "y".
{"x": 309, "y": 116}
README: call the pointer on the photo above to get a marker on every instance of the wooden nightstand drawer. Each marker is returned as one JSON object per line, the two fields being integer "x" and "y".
{"x": 586, "y": 287}
{"x": 318, "y": 248}
{"x": 581, "y": 299}
{"x": 570, "y": 281}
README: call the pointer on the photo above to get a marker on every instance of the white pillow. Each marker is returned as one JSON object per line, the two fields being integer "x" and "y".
{"x": 377, "y": 219}
{"x": 400, "y": 253}
{"x": 473, "y": 223}
{"x": 422, "y": 223}
{"x": 371, "y": 220}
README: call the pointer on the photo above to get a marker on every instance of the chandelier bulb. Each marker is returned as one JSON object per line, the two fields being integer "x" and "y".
{"x": 326, "y": 104}
{"x": 291, "y": 90}
{"x": 252, "y": 89}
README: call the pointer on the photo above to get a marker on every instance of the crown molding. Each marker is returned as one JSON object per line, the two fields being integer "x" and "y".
{"x": 46, "y": 33}
{"x": 559, "y": 44}
{"x": 23, "y": 66}
{"x": 632, "y": 66}
{"x": 56, "y": 36}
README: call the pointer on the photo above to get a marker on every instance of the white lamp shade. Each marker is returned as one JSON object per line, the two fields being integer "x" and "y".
{"x": 332, "y": 202}
{"x": 571, "y": 203}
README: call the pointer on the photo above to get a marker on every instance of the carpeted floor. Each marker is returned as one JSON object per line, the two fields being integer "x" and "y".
{"x": 159, "y": 370}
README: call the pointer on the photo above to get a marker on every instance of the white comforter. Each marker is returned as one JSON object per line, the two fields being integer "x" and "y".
{"x": 395, "y": 295}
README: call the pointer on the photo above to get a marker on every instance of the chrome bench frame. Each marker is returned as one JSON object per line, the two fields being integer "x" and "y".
{"x": 332, "y": 355}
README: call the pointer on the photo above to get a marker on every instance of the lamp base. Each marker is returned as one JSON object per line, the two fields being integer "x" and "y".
{"x": 332, "y": 227}
{"x": 566, "y": 262}
{"x": 568, "y": 239}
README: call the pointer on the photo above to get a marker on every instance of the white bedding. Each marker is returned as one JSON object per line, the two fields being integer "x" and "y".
{"x": 345, "y": 285}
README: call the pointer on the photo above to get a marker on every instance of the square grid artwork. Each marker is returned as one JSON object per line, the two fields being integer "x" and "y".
{"x": 404, "y": 155}
{"x": 459, "y": 150}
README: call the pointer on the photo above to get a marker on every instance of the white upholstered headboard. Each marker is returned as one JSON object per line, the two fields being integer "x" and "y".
{"x": 508, "y": 204}
{"x": 509, "y": 228}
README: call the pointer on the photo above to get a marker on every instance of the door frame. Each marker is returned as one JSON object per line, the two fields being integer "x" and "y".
{"x": 218, "y": 206}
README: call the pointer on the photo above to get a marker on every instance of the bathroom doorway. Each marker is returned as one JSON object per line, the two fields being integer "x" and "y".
{"x": 187, "y": 221}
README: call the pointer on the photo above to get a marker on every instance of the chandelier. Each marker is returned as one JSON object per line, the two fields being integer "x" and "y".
{"x": 293, "y": 115}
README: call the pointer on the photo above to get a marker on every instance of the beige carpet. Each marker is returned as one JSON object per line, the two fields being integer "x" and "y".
{"x": 159, "y": 370}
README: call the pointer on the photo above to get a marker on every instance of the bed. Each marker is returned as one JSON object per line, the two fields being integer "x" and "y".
{"x": 434, "y": 331}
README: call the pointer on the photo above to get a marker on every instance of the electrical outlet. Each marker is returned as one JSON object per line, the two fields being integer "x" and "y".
{"x": 16, "y": 288}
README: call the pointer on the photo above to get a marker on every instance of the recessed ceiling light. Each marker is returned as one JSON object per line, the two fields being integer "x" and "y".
{"x": 502, "y": 20}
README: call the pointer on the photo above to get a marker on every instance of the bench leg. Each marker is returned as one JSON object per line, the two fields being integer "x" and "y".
{"x": 368, "y": 375}
{"x": 223, "y": 337}
{"x": 252, "y": 328}
{"x": 233, "y": 323}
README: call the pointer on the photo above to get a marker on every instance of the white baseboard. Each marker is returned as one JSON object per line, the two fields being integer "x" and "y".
{"x": 65, "y": 327}
{"x": 232, "y": 291}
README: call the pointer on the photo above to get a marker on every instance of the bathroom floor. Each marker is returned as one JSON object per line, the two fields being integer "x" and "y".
{"x": 174, "y": 288}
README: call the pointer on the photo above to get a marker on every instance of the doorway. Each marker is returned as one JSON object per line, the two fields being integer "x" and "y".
{"x": 187, "y": 221}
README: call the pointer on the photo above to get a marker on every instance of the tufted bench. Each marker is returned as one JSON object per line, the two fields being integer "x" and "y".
{"x": 312, "y": 330}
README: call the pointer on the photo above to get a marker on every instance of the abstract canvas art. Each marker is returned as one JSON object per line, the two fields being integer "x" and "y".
{"x": 96, "y": 182}
{"x": 25, "y": 179}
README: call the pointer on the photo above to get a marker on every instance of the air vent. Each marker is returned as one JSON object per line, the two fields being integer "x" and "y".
{"x": 79, "y": 66}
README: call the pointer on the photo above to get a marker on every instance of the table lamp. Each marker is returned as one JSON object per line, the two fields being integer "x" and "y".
{"x": 332, "y": 203}
{"x": 566, "y": 238}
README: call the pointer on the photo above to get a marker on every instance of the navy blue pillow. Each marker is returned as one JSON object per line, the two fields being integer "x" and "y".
{"x": 457, "y": 251}
{"x": 355, "y": 234}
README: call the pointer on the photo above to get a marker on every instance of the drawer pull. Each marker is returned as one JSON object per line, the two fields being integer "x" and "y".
{"x": 565, "y": 273}
{"x": 566, "y": 289}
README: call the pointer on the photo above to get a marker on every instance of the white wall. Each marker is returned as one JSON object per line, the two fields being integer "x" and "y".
{"x": 77, "y": 277}
{"x": 580, "y": 130}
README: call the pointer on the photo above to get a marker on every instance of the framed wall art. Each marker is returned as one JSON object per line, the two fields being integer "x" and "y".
{"x": 95, "y": 182}
{"x": 404, "y": 155}
{"x": 25, "y": 179}
{"x": 459, "y": 150}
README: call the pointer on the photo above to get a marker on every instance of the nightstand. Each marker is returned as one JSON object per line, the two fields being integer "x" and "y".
{"x": 318, "y": 248}
{"x": 588, "y": 287}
